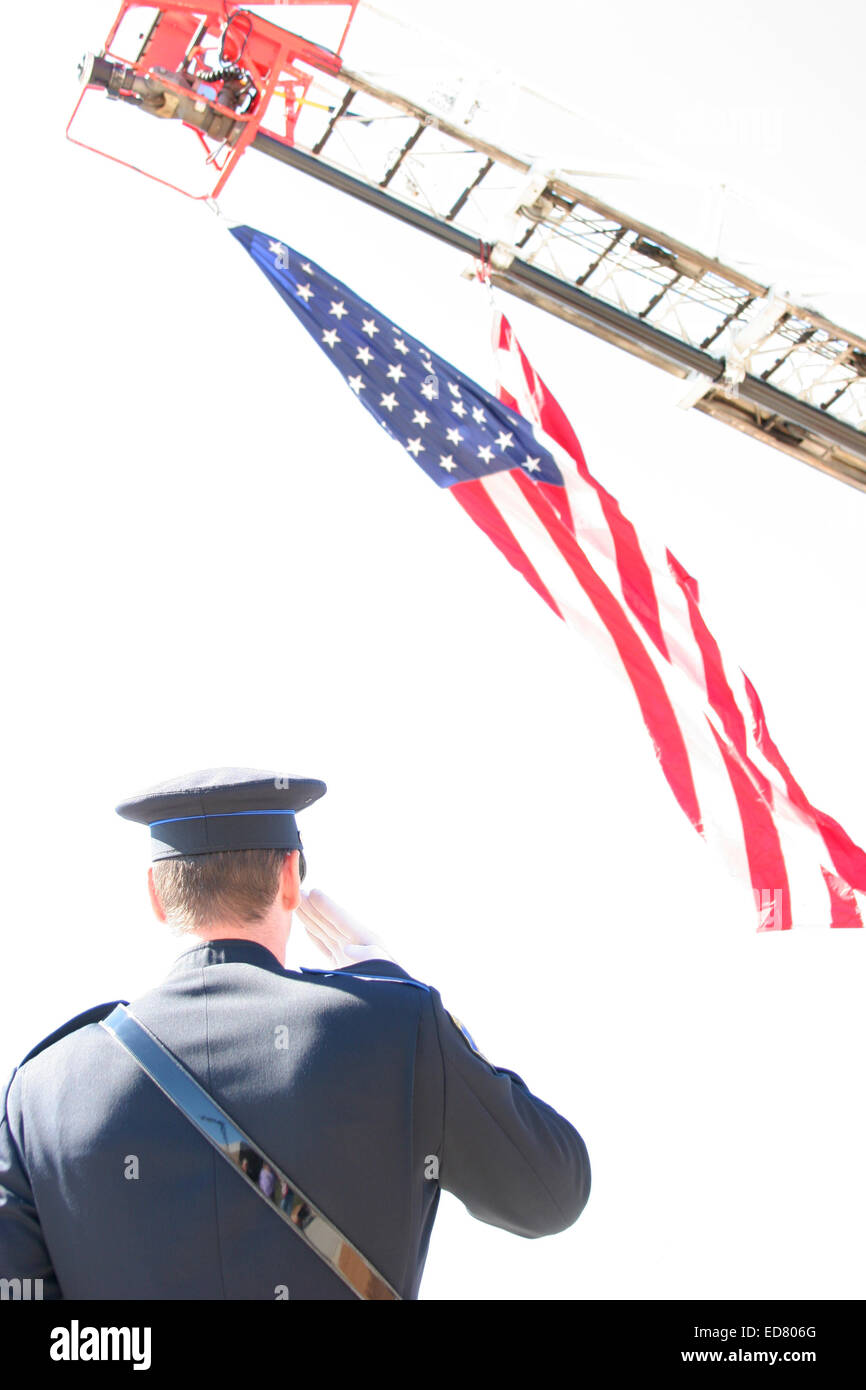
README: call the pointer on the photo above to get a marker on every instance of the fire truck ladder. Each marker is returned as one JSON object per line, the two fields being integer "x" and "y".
{"x": 781, "y": 373}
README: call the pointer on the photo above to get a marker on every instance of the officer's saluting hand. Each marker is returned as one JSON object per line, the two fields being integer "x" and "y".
{"x": 340, "y": 937}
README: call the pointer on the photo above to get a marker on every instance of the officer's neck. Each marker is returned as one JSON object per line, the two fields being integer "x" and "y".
{"x": 272, "y": 933}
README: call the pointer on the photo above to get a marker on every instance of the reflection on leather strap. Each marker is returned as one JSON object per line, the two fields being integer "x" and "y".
{"x": 260, "y": 1173}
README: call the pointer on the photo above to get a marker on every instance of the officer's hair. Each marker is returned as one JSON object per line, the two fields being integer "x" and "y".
{"x": 236, "y": 886}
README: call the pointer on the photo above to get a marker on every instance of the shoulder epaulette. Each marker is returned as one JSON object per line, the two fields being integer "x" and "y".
{"x": 467, "y": 1036}
{"x": 343, "y": 974}
{"x": 94, "y": 1015}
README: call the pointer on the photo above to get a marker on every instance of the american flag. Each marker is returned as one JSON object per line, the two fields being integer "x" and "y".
{"x": 514, "y": 463}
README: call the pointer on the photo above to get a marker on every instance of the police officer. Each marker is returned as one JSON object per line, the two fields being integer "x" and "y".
{"x": 244, "y": 1131}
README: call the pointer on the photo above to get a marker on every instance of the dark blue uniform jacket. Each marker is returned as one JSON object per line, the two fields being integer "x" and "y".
{"x": 364, "y": 1091}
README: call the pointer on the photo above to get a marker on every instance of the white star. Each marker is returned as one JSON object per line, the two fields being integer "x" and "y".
{"x": 478, "y": 415}
{"x": 415, "y": 447}
{"x": 459, "y": 408}
{"x": 400, "y": 346}
{"x": 533, "y": 465}
{"x": 454, "y": 436}
{"x": 395, "y": 372}
{"x": 364, "y": 355}
{"x": 389, "y": 401}
{"x": 455, "y": 390}
{"x": 429, "y": 390}
{"x": 339, "y": 309}
{"x": 369, "y": 327}
{"x": 486, "y": 454}
{"x": 305, "y": 265}
{"x": 447, "y": 462}
{"x": 331, "y": 337}
{"x": 277, "y": 247}
{"x": 421, "y": 418}
{"x": 357, "y": 384}
{"x": 504, "y": 440}
{"x": 305, "y": 293}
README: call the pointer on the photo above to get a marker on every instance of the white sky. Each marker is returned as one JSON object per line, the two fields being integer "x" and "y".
{"x": 213, "y": 556}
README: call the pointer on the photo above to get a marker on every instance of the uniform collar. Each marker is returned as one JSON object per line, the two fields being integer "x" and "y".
{"x": 236, "y": 950}
{"x": 230, "y": 951}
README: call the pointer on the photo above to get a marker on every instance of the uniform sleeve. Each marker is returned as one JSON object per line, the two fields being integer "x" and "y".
{"x": 510, "y": 1158}
{"x": 23, "y": 1254}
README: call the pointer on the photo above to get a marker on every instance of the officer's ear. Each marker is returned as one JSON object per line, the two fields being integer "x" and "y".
{"x": 290, "y": 880}
{"x": 154, "y": 897}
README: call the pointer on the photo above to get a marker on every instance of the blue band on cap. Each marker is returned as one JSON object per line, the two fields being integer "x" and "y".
{"x": 223, "y": 830}
{"x": 174, "y": 819}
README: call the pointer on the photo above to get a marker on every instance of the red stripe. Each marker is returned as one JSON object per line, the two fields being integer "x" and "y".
{"x": 848, "y": 859}
{"x": 719, "y": 693}
{"x": 763, "y": 847}
{"x": 843, "y": 906}
{"x": 635, "y": 574}
{"x": 656, "y": 708}
{"x": 474, "y": 500}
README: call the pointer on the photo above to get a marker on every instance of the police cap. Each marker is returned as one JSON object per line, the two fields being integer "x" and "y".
{"x": 222, "y": 808}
